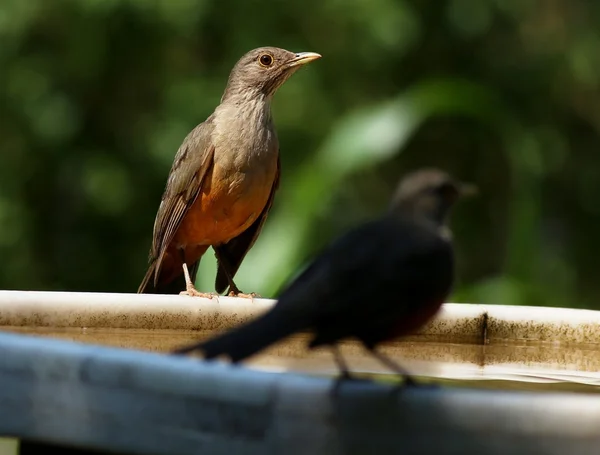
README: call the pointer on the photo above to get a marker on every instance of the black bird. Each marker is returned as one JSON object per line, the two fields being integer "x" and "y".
{"x": 382, "y": 280}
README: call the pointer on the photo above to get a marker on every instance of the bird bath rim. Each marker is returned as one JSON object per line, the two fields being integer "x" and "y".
{"x": 463, "y": 342}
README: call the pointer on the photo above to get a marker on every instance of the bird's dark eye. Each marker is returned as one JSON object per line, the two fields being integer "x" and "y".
{"x": 265, "y": 60}
{"x": 448, "y": 190}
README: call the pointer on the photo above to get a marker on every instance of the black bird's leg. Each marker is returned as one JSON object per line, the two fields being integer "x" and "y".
{"x": 343, "y": 367}
{"x": 341, "y": 363}
{"x": 408, "y": 380}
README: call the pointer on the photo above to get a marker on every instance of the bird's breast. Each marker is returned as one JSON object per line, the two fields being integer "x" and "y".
{"x": 233, "y": 195}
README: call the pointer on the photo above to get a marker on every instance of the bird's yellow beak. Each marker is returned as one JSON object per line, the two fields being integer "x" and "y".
{"x": 302, "y": 58}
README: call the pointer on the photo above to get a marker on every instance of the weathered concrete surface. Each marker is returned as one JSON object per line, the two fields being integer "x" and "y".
{"x": 456, "y": 323}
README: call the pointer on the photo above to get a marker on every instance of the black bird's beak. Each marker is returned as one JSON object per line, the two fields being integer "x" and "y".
{"x": 467, "y": 189}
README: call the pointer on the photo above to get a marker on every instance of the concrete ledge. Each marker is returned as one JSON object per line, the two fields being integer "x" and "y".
{"x": 126, "y": 311}
{"x": 465, "y": 342}
{"x": 138, "y": 402}
{"x": 457, "y": 323}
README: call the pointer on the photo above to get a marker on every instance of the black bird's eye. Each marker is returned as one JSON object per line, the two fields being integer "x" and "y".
{"x": 447, "y": 190}
{"x": 265, "y": 60}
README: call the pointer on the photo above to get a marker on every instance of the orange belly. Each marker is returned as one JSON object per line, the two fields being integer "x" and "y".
{"x": 227, "y": 205}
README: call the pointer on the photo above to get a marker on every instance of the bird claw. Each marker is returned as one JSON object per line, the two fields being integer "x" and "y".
{"x": 409, "y": 382}
{"x": 251, "y": 295}
{"x": 193, "y": 292}
{"x": 345, "y": 378}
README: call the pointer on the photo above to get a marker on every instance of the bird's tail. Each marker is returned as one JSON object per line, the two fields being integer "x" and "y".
{"x": 147, "y": 285}
{"x": 250, "y": 338}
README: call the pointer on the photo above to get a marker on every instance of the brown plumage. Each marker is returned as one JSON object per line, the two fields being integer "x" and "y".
{"x": 223, "y": 179}
{"x": 382, "y": 280}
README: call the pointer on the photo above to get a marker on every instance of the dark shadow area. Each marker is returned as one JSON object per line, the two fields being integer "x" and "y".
{"x": 41, "y": 448}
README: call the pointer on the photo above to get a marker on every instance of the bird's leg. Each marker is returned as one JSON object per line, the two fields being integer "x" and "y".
{"x": 190, "y": 289}
{"x": 408, "y": 380}
{"x": 341, "y": 364}
{"x": 234, "y": 291}
{"x": 344, "y": 370}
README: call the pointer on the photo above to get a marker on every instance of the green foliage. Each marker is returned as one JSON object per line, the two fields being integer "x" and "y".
{"x": 96, "y": 96}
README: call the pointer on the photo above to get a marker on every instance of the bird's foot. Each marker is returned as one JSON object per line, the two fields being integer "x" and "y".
{"x": 235, "y": 292}
{"x": 409, "y": 382}
{"x": 345, "y": 378}
{"x": 406, "y": 382}
{"x": 193, "y": 292}
{"x": 251, "y": 295}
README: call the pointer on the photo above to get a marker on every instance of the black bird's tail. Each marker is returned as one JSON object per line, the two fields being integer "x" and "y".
{"x": 250, "y": 338}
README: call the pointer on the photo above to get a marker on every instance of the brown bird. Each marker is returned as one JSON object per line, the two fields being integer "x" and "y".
{"x": 223, "y": 179}
{"x": 382, "y": 280}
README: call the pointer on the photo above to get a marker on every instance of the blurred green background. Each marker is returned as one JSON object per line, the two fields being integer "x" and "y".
{"x": 97, "y": 95}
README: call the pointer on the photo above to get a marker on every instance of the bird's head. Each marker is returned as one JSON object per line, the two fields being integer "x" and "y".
{"x": 262, "y": 71}
{"x": 429, "y": 194}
